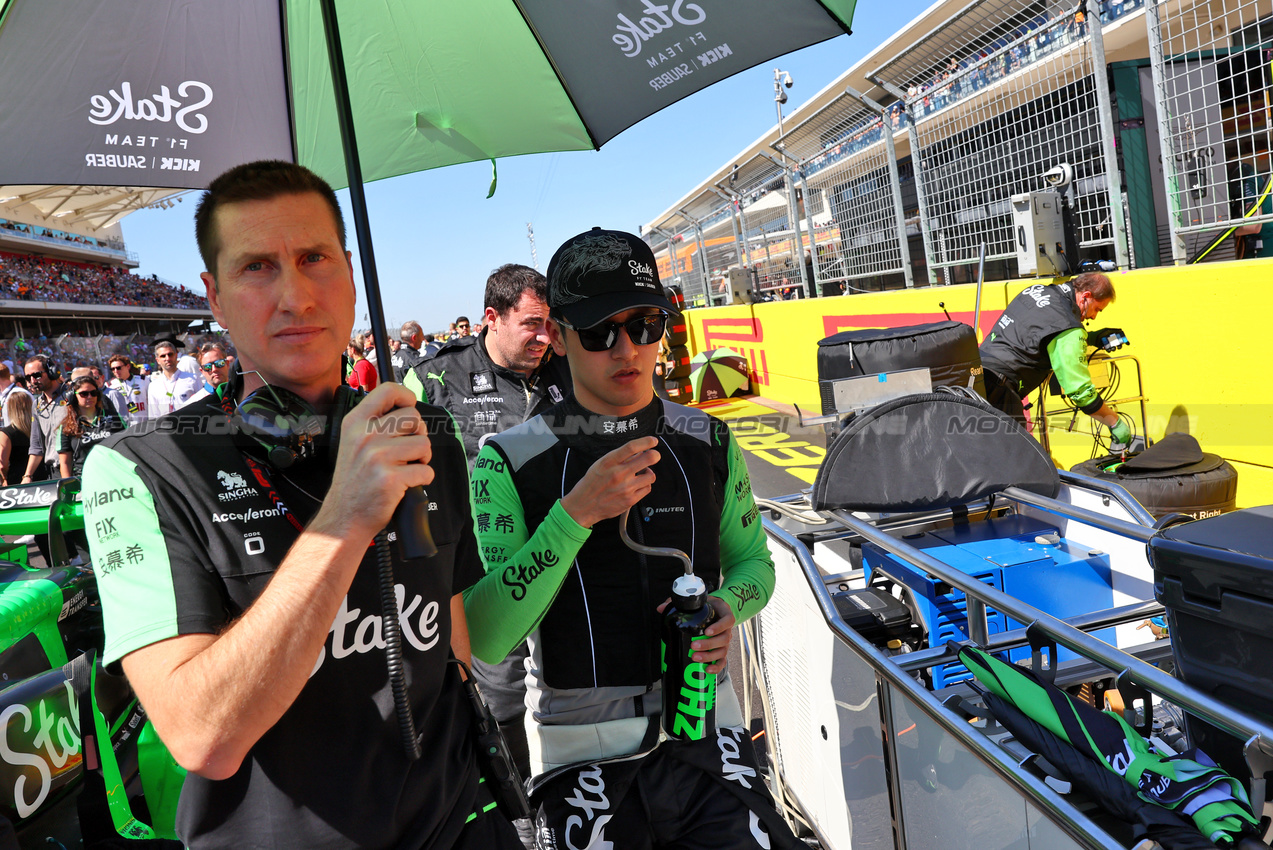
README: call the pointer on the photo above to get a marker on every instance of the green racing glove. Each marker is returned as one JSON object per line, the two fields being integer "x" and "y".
{"x": 1121, "y": 432}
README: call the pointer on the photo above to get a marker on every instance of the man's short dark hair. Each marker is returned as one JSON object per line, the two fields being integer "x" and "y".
{"x": 429, "y": 337}
{"x": 216, "y": 345}
{"x": 1096, "y": 284}
{"x": 459, "y": 319}
{"x": 506, "y": 284}
{"x": 256, "y": 181}
{"x": 408, "y": 331}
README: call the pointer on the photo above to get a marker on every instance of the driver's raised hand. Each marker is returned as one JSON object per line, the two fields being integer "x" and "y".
{"x": 616, "y": 482}
{"x": 384, "y": 449}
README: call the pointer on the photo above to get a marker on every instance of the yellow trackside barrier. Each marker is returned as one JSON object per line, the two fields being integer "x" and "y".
{"x": 1203, "y": 335}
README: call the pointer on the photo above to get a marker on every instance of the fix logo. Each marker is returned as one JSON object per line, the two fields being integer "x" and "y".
{"x": 482, "y": 382}
{"x": 105, "y": 529}
{"x": 481, "y": 491}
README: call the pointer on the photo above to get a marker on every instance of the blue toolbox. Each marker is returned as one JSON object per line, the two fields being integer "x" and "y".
{"x": 1019, "y": 555}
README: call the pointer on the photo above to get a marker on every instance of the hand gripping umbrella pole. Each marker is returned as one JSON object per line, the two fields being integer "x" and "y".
{"x": 411, "y": 519}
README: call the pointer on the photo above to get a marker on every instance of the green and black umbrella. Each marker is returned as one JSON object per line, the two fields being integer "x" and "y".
{"x": 719, "y": 374}
{"x": 1193, "y": 787}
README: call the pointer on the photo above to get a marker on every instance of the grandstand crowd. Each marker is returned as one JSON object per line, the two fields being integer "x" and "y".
{"x": 31, "y": 278}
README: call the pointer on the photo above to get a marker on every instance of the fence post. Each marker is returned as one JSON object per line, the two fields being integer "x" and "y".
{"x": 887, "y": 132}
{"x": 793, "y": 218}
{"x": 733, "y": 222}
{"x": 1154, "y": 25}
{"x": 813, "y": 236}
{"x": 917, "y": 165}
{"x": 1113, "y": 177}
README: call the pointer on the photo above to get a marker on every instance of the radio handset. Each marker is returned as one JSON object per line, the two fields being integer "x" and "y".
{"x": 411, "y": 521}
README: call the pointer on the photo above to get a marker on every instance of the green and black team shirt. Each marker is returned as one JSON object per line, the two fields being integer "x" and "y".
{"x": 186, "y": 530}
{"x": 1042, "y": 331}
{"x": 587, "y": 602}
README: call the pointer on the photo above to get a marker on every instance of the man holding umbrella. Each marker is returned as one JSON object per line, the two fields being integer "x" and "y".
{"x": 238, "y": 588}
{"x": 549, "y": 496}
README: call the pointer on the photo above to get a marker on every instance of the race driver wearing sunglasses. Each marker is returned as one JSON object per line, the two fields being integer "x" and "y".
{"x": 548, "y": 497}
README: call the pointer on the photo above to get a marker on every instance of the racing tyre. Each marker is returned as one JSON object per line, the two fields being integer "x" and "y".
{"x": 1197, "y": 494}
{"x": 679, "y": 390}
{"x": 677, "y": 332}
{"x": 679, "y": 358}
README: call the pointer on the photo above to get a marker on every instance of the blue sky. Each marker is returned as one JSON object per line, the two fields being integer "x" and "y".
{"x": 437, "y": 237}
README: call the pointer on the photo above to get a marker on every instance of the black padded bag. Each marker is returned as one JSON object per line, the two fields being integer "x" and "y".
{"x": 927, "y": 452}
{"x": 948, "y": 349}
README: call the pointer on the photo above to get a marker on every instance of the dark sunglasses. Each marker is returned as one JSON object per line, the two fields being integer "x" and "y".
{"x": 118, "y": 366}
{"x": 219, "y": 363}
{"x": 642, "y": 330}
{"x": 86, "y": 393}
{"x": 39, "y": 374}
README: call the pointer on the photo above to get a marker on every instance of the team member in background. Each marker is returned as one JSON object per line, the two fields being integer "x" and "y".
{"x": 1041, "y": 332}
{"x": 547, "y": 497}
{"x": 8, "y": 387}
{"x": 49, "y": 391}
{"x": 88, "y": 422}
{"x": 15, "y": 437}
{"x": 408, "y": 355}
{"x": 171, "y": 387}
{"x": 242, "y": 600}
{"x": 215, "y": 364}
{"x": 461, "y": 327}
{"x": 492, "y": 381}
{"x": 132, "y": 388}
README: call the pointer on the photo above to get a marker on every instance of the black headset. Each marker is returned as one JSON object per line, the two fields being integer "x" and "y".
{"x": 287, "y": 427}
{"x": 50, "y": 368}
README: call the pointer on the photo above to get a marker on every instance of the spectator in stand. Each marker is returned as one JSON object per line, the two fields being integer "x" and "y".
{"x": 171, "y": 387}
{"x": 362, "y": 376}
{"x": 131, "y": 388}
{"x": 45, "y": 279}
{"x": 8, "y": 387}
{"x": 87, "y": 423}
{"x": 15, "y": 437}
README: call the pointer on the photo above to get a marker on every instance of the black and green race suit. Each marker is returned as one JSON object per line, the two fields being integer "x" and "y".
{"x": 586, "y": 601}
{"x": 186, "y": 529}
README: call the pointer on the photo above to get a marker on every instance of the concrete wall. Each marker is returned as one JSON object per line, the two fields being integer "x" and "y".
{"x": 1203, "y": 335}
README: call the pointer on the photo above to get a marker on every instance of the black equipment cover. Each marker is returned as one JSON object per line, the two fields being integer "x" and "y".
{"x": 1174, "y": 454}
{"x": 948, "y": 349}
{"x": 931, "y": 451}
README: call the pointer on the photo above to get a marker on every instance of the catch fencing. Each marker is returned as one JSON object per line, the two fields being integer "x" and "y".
{"x": 1002, "y": 98}
{"x": 1211, "y": 68}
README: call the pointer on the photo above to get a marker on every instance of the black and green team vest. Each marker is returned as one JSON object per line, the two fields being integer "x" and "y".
{"x": 603, "y": 628}
{"x": 1017, "y": 349}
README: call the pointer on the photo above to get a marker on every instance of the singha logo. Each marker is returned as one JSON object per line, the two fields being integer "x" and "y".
{"x": 231, "y": 480}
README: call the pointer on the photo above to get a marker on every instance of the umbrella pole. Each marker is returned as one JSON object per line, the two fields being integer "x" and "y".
{"x": 411, "y": 518}
{"x": 357, "y": 198}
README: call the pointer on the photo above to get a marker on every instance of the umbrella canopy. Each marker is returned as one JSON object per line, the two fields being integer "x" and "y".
{"x": 1194, "y": 787}
{"x": 719, "y": 373}
{"x": 172, "y": 92}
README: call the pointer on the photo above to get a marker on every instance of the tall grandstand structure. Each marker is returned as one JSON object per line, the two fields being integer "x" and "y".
{"x": 1159, "y": 113}
{"x": 67, "y": 287}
